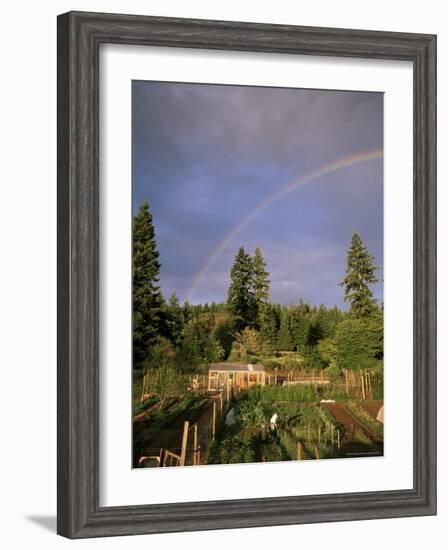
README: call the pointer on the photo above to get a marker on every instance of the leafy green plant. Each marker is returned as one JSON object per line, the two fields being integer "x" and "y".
{"x": 250, "y": 413}
{"x": 232, "y": 450}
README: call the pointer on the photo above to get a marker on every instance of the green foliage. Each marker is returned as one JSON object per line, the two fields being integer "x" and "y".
{"x": 260, "y": 285}
{"x": 233, "y": 449}
{"x": 358, "y": 343}
{"x": 240, "y": 299}
{"x": 300, "y": 317}
{"x": 272, "y": 449}
{"x": 268, "y": 322}
{"x": 334, "y": 373}
{"x": 284, "y": 339}
{"x": 223, "y": 332}
{"x": 174, "y": 319}
{"x": 247, "y": 347}
{"x": 312, "y": 358}
{"x": 293, "y": 393}
{"x": 147, "y": 297}
{"x": 199, "y": 346}
{"x": 146, "y": 404}
{"x": 250, "y": 413}
{"x": 377, "y": 380}
{"x": 165, "y": 381}
{"x": 248, "y": 291}
{"x": 359, "y": 274}
{"x": 327, "y": 350}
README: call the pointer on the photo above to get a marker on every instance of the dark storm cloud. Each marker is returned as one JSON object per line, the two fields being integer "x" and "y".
{"x": 206, "y": 155}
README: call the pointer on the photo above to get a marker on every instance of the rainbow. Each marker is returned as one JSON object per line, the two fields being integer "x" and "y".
{"x": 335, "y": 166}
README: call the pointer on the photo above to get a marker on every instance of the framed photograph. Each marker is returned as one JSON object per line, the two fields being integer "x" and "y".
{"x": 246, "y": 274}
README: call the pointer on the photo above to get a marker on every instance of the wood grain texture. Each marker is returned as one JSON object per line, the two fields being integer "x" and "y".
{"x": 79, "y": 39}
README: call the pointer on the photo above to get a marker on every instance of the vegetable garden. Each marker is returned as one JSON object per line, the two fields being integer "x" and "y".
{"x": 309, "y": 425}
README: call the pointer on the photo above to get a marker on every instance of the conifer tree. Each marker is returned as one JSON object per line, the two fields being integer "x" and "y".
{"x": 240, "y": 299}
{"x": 285, "y": 342}
{"x": 261, "y": 278}
{"x": 260, "y": 285}
{"x": 359, "y": 274}
{"x": 267, "y": 319}
{"x": 147, "y": 297}
{"x": 174, "y": 319}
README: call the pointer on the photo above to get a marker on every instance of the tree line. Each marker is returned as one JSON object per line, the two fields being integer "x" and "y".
{"x": 247, "y": 327}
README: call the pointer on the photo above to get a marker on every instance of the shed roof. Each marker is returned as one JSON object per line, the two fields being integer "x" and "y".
{"x": 236, "y": 367}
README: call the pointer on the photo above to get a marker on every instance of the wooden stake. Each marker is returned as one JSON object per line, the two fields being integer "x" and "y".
{"x": 299, "y": 450}
{"x": 363, "y": 388}
{"x": 195, "y": 445}
{"x": 332, "y": 434}
{"x": 183, "y": 452}
{"x": 338, "y": 439}
{"x": 214, "y": 421}
{"x": 316, "y": 450}
{"x": 318, "y": 434}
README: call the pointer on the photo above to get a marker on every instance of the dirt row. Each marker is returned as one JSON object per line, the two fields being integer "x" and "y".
{"x": 352, "y": 441}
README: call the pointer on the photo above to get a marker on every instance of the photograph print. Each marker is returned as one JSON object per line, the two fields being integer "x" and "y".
{"x": 257, "y": 272}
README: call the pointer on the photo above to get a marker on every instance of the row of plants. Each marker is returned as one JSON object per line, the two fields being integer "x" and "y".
{"x": 147, "y": 403}
{"x": 233, "y": 449}
{"x": 314, "y": 429}
{"x": 252, "y": 439}
{"x": 296, "y": 393}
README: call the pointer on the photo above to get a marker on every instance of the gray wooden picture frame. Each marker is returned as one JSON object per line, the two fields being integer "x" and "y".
{"x": 79, "y": 38}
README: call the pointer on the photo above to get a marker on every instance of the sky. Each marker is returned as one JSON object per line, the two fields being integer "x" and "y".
{"x": 289, "y": 170}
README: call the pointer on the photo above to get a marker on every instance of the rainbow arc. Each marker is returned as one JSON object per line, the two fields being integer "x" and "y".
{"x": 323, "y": 170}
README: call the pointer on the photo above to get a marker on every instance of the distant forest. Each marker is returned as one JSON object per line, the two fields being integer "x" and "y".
{"x": 171, "y": 339}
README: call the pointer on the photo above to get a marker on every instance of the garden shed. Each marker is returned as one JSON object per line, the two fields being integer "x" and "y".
{"x": 237, "y": 376}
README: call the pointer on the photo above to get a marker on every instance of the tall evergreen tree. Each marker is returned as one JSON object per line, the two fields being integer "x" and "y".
{"x": 260, "y": 285}
{"x": 268, "y": 325}
{"x": 285, "y": 342}
{"x": 147, "y": 297}
{"x": 359, "y": 274}
{"x": 240, "y": 299}
{"x": 174, "y": 319}
{"x": 261, "y": 278}
{"x": 300, "y": 324}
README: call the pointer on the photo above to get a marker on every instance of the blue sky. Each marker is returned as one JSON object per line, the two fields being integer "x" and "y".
{"x": 205, "y": 155}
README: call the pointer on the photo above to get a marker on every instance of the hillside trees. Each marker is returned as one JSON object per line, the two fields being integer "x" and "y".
{"x": 188, "y": 337}
{"x": 199, "y": 346}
